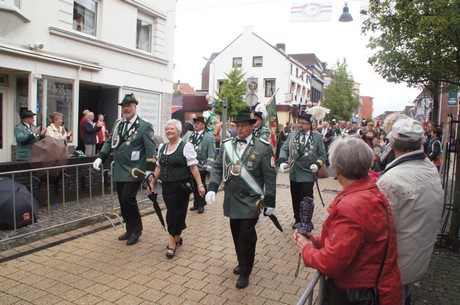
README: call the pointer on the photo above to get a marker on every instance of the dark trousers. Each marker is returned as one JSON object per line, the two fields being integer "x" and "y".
{"x": 198, "y": 201}
{"x": 127, "y": 192}
{"x": 176, "y": 201}
{"x": 245, "y": 238}
{"x": 299, "y": 190}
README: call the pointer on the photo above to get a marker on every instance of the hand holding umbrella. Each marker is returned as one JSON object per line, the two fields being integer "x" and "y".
{"x": 152, "y": 195}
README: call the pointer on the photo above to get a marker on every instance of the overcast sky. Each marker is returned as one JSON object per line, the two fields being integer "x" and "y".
{"x": 207, "y": 26}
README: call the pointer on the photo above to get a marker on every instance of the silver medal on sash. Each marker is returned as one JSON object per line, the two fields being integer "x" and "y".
{"x": 236, "y": 168}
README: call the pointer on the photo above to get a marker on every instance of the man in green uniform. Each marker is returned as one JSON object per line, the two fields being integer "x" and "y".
{"x": 26, "y": 134}
{"x": 245, "y": 163}
{"x": 205, "y": 148}
{"x": 133, "y": 146}
{"x": 260, "y": 131}
{"x": 304, "y": 153}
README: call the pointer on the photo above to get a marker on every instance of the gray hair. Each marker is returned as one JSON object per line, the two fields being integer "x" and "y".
{"x": 352, "y": 157}
{"x": 176, "y": 124}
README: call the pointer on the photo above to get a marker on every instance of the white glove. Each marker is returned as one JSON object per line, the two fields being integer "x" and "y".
{"x": 314, "y": 168}
{"x": 97, "y": 164}
{"x": 147, "y": 174}
{"x": 208, "y": 168}
{"x": 269, "y": 211}
{"x": 283, "y": 167}
{"x": 210, "y": 197}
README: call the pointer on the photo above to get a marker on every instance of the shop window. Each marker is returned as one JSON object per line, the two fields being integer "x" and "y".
{"x": 1, "y": 121}
{"x": 144, "y": 36}
{"x": 85, "y": 16}
{"x": 58, "y": 94}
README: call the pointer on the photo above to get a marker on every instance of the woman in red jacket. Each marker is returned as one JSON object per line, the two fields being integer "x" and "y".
{"x": 356, "y": 249}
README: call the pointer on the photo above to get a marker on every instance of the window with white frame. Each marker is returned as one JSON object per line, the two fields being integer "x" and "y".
{"x": 270, "y": 85}
{"x": 237, "y": 62}
{"x": 17, "y": 3}
{"x": 144, "y": 35}
{"x": 85, "y": 16}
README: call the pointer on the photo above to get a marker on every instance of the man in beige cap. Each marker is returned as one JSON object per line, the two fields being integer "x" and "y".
{"x": 413, "y": 187}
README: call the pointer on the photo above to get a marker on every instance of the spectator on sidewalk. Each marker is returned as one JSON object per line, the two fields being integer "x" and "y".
{"x": 57, "y": 130}
{"x": 90, "y": 135}
{"x": 26, "y": 134}
{"x": 413, "y": 187}
{"x": 434, "y": 148}
{"x": 81, "y": 132}
{"x": 102, "y": 134}
{"x": 246, "y": 166}
{"x": 356, "y": 248}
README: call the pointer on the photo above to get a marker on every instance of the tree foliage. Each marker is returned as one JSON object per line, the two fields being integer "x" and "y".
{"x": 416, "y": 41}
{"x": 339, "y": 95}
{"x": 234, "y": 89}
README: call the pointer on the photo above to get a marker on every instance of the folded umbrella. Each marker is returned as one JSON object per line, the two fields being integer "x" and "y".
{"x": 260, "y": 206}
{"x": 305, "y": 225}
{"x": 152, "y": 197}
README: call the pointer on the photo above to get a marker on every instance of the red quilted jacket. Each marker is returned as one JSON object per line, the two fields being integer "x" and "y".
{"x": 353, "y": 240}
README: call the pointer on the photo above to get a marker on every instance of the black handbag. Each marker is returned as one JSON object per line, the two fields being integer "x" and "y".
{"x": 364, "y": 296}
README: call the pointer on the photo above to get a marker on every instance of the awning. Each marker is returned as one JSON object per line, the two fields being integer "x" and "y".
{"x": 176, "y": 108}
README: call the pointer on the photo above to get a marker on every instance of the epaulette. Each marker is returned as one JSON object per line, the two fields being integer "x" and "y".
{"x": 227, "y": 139}
{"x": 145, "y": 120}
{"x": 263, "y": 141}
{"x": 118, "y": 120}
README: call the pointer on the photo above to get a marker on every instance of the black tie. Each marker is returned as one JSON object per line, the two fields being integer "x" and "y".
{"x": 241, "y": 140}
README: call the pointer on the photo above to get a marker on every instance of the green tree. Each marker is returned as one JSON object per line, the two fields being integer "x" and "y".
{"x": 417, "y": 42}
{"x": 339, "y": 95}
{"x": 234, "y": 89}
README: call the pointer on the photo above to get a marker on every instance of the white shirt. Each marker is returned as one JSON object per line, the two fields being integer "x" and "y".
{"x": 241, "y": 146}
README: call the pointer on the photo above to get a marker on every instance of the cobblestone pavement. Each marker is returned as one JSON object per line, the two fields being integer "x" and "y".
{"x": 89, "y": 265}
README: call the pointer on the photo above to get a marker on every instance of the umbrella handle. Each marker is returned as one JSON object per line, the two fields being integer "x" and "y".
{"x": 136, "y": 170}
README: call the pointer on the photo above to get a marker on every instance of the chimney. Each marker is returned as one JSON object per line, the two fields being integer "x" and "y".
{"x": 281, "y": 46}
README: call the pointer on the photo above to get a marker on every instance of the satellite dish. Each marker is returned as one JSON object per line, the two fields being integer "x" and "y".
{"x": 251, "y": 99}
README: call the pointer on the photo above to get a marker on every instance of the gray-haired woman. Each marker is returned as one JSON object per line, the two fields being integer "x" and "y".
{"x": 175, "y": 166}
{"x": 356, "y": 249}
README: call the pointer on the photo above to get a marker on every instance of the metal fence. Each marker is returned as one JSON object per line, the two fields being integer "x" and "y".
{"x": 308, "y": 294}
{"x": 70, "y": 204}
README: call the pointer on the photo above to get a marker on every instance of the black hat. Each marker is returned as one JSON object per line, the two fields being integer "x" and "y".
{"x": 305, "y": 116}
{"x": 25, "y": 113}
{"x": 259, "y": 114}
{"x": 245, "y": 115}
{"x": 129, "y": 99}
{"x": 199, "y": 119}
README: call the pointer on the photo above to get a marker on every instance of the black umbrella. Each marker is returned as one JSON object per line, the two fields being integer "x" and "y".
{"x": 261, "y": 206}
{"x": 152, "y": 197}
{"x": 16, "y": 197}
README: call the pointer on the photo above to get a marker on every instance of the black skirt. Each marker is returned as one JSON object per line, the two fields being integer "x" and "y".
{"x": 176, "y": 200}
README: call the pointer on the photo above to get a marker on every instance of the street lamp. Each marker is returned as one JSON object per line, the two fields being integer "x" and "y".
{"x": 209, "y": 61}
{"x": 346, "y": 16}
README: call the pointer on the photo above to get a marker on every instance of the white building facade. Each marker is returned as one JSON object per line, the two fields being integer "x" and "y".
{"x": 71, "y": 55}
{"x": 268, "y": 70}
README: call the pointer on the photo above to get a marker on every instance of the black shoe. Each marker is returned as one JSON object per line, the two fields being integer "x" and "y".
{"x": 243, "y": 281}
{"x": 133, "y": 238}
{"x": 194, "y": 208}
{"x": 237, "y": 270}
{"x": 124, "y": 236}
{"x": 200, "y": 210}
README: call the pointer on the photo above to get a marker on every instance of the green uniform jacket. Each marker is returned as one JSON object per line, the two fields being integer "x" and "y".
{"x": 24, "y": 139}
{"x": 262, "y": 133}
{"x": 205, "y": 148}
{"x": 135, "y": 151}
{"x": 240, "y": 200}
{"x": 313, "y": 153}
